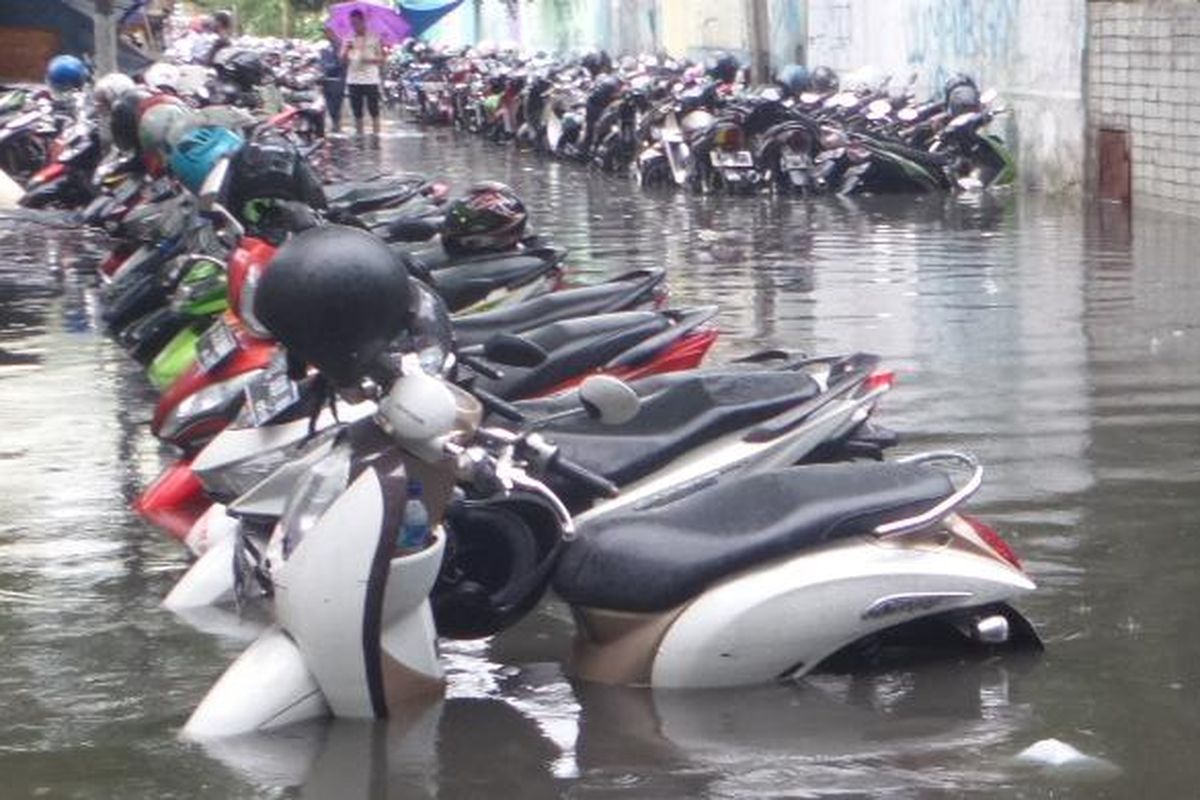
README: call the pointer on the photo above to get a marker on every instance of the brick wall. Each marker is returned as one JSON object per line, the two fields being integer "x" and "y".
{"x": 1143, "y": 78}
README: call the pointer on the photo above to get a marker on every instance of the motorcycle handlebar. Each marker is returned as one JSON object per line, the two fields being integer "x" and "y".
{"x": 498, "y": 406}
{"x": 479, "y": 366}
{"x": 597, "y": 484}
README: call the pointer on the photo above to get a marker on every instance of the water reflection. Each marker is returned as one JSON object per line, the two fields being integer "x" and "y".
{"x": 900, "y": 733}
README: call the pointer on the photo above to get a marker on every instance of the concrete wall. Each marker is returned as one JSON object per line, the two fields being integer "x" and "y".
{"x": 1029, "y": 50}
{"x": 1144, "y": 78}
{"x": 558, "y": 26}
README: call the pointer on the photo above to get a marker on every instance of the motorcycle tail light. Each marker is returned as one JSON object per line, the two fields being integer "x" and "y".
{"x": 728, "y": 137}
{"x": 994, "y": 541}
{"x": 881, "y": 380}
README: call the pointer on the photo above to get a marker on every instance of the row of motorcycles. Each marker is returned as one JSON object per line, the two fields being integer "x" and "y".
{"x": 399, "y": 421}
{"x": 54, "y": 137}
{"x": 672, "y": 123}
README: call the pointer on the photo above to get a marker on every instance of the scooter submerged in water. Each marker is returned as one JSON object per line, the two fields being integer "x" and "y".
{"x": 686, "y": 590}
{"x": 767, "y": 411}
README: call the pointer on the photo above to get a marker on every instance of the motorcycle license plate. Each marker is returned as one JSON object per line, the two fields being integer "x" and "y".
{"x": 736, "y": 158}
{"x": 215, "y": 345}
{"x": 433, "y": 86}
{"x": 270, "y": 395}
{"x": 791, "y": 161}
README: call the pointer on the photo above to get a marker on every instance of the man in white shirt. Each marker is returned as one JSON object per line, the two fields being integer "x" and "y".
{"x": 364, "y": 56}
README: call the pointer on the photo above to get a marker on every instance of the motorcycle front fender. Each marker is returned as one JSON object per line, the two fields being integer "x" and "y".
{"x": 208, "y": 582}
{"x": 269, "y": 686}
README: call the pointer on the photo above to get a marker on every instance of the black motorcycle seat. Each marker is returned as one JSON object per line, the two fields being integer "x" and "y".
{"x": 680, "y": 417}
{"x": 351, "y": 192}
{"x": 436, "y": 257}
{"x": 465, "y": 284}
{"x": 575, "y": 346}
{"x": 658, "y": 559}
{"x": 584, "y": 301}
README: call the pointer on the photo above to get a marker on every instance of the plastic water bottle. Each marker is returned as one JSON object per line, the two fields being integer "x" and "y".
{"x": 414, "y": 531}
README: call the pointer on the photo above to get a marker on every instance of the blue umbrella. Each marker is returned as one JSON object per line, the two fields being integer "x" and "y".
{"x": 423, "y": 14}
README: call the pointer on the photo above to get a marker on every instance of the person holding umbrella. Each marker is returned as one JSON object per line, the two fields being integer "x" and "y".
{"x": 363, "y": 55}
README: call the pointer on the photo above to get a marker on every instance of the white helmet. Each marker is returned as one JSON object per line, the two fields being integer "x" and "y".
{"x": 162, "y": 76}
{"x": 110, "y": 87}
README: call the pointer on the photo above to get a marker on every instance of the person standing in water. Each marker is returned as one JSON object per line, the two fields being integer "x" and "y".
{"x": 333, "y": 78}
{"x": 363, "y": 55}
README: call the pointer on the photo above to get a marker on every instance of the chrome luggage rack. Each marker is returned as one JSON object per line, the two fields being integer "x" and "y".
{"x": 949, "y": 460}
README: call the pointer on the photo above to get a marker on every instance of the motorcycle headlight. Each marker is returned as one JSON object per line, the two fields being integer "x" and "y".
{"x": 245, "y": 307}
{"x": 315, "y": 492}
{"x": 235, "y": 479}
{"x": 75, "y": 146}
{"x": 210, "y": 402}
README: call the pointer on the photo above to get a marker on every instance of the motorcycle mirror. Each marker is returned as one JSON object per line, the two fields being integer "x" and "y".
{"x": 609, "y": 399}
{"x": 514, "y": 351}
{"x": 214, "y": 183}
{"x": 988, "y": 97}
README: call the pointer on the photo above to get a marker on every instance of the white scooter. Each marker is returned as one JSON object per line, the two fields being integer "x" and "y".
{"x": 691, "y": 426}
{"x": 749, "y": 580}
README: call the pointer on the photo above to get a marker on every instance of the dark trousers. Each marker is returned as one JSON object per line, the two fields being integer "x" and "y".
{"x": 334, "y": 92}
{"x": 364, "y": 91}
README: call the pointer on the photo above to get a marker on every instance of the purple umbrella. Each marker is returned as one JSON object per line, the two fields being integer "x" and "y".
{"x": 382, "y": 21}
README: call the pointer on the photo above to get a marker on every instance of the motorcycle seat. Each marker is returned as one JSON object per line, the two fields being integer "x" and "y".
{"x": 680, "y": 417}
{"x": 575, "y": 346}
{"x": 357, "y": 198}
{"x": 658, "y": 559}
{"x": 465, "y": 284}
{"x": 635, "y": 287}
{"x": 436, "y": 257}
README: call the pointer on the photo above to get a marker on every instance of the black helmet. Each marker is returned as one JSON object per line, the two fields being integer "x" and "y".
{"x": 604, "y": 91}
{"x": 724, "y": 68}
{"x": 335, "y": 297}
{"x": 489, "y": 216}
{"x": 500, "y": 556}
{"x": 793, "y": 78}
{"x": 823, "y": 80}
{"x": 953, "y": 82}
{"x": 596, "y": 62}
{"x": 245, "y": 68}
{"x": 124, "y": 120}
{"x": 961, "y": 99}
{"x": 270, "y": 167}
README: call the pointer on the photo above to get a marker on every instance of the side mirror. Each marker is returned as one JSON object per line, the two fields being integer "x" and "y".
{"x": 609, "y": 399}
{"x": 514, "y": 351}
{"x": 214, "y": 184}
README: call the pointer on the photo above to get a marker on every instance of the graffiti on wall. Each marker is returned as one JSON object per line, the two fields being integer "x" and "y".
{"x": 829, "y": 29}
{"x": 947, "y": 36}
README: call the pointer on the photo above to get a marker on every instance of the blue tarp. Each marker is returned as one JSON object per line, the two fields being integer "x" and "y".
{"x": 423, "y": 14}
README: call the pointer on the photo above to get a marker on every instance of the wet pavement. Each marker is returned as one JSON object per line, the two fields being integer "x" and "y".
{"x": 1059, "y": 344}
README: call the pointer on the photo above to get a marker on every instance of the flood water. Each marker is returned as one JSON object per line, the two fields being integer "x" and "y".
{"x": 1059, "y": 344}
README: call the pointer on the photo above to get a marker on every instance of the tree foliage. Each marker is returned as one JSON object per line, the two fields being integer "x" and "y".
{"x": 269, "y": 17}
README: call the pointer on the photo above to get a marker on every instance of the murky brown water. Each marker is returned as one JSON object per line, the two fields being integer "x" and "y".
{"x": 1061, "y": 346}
